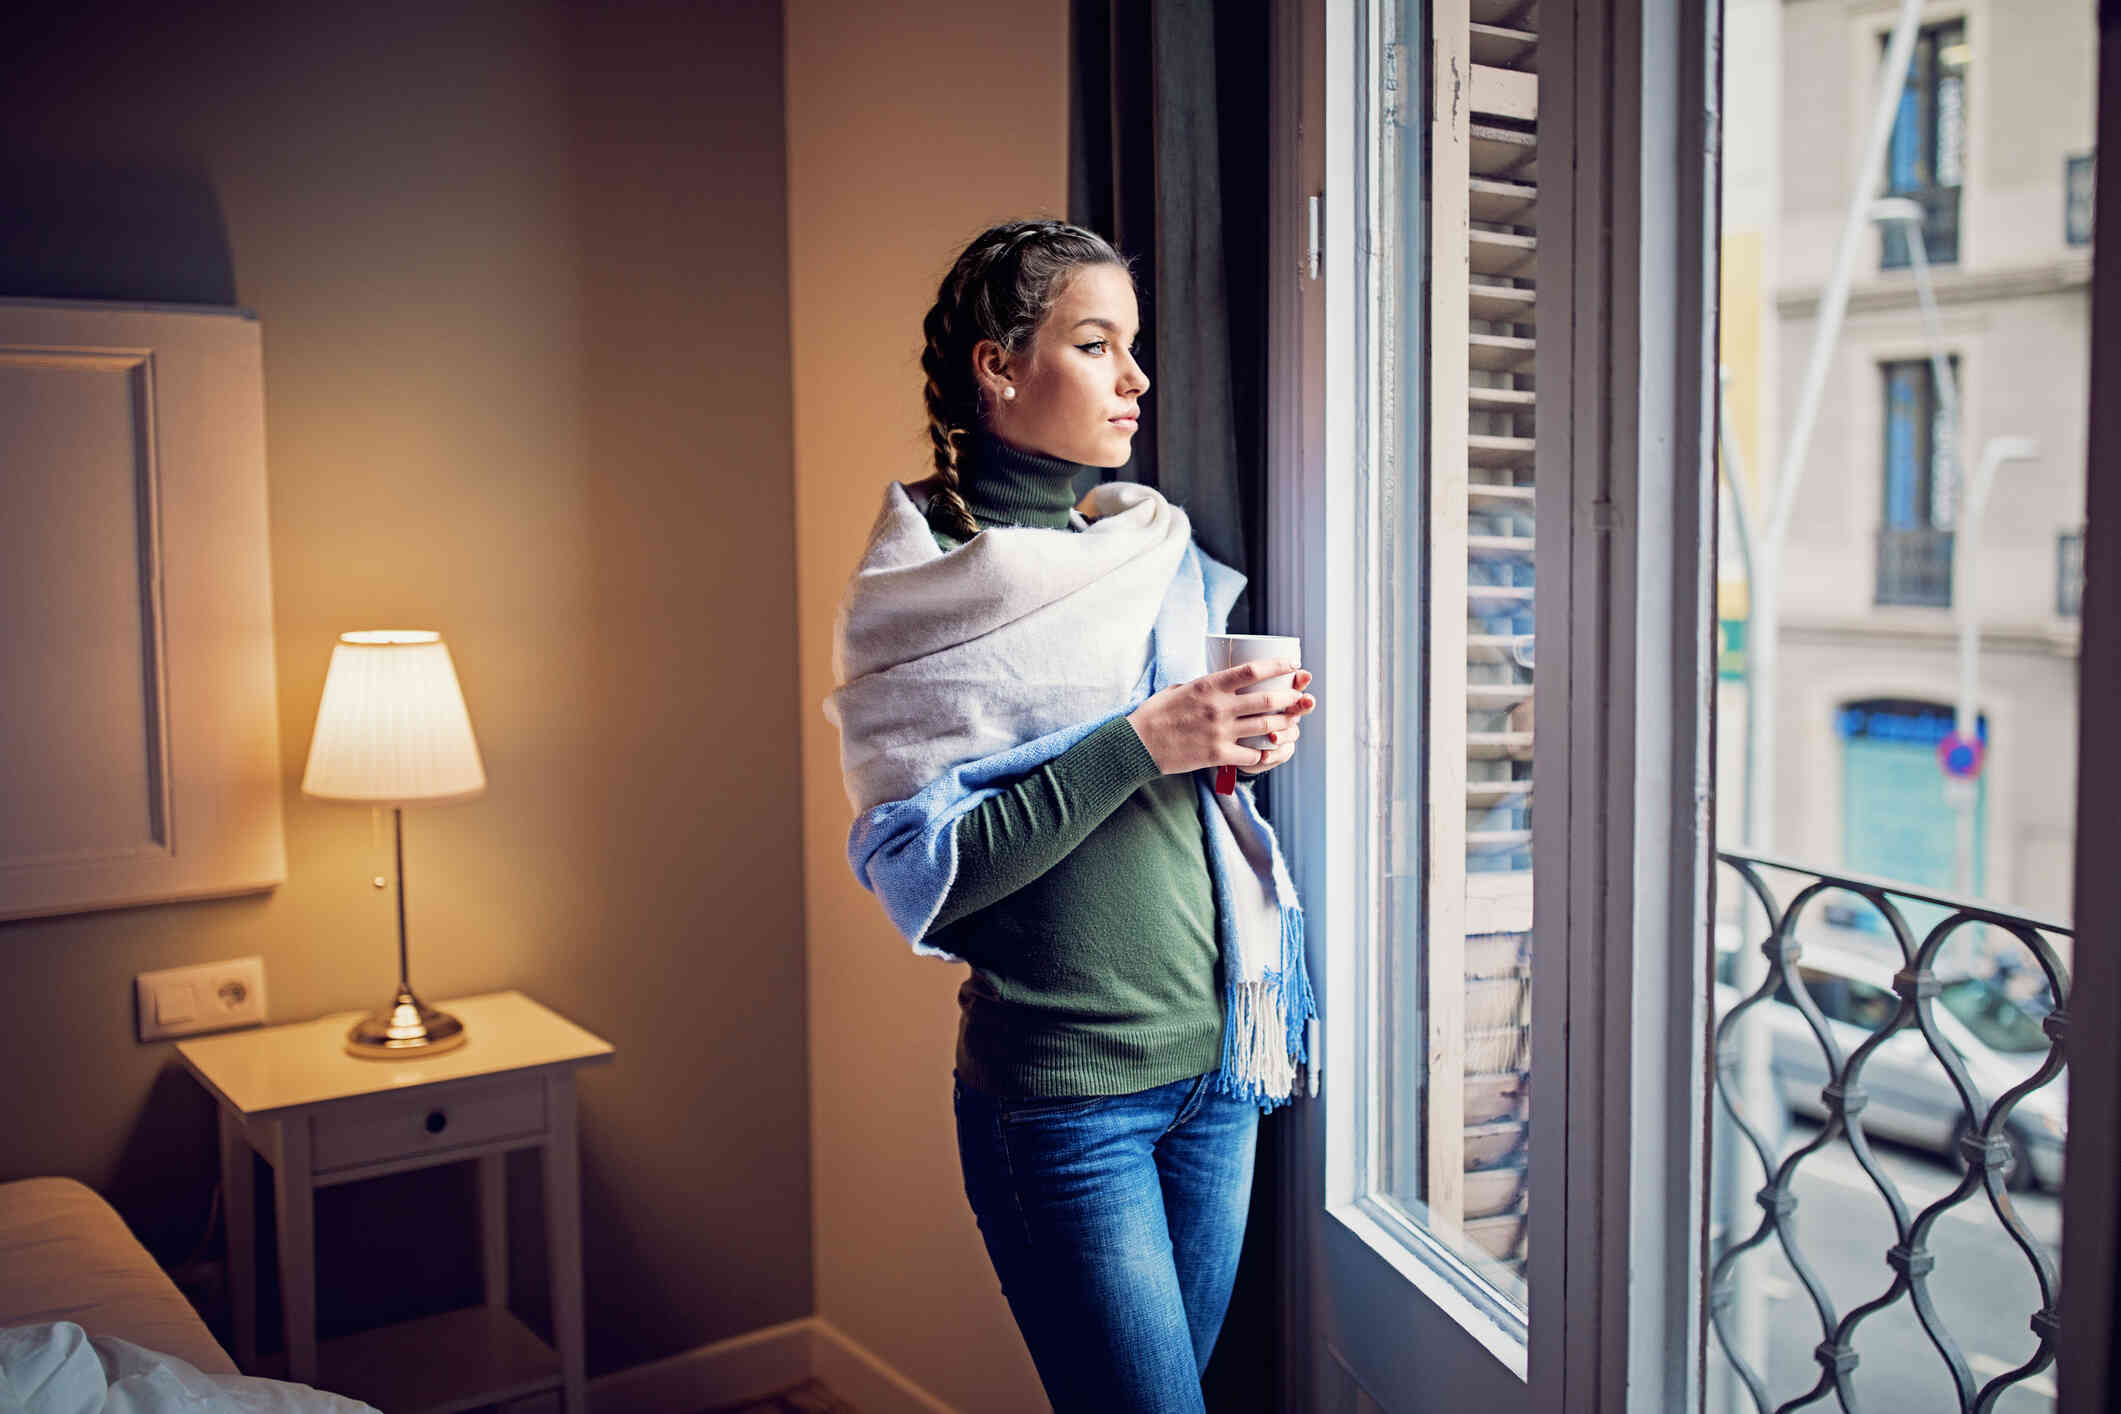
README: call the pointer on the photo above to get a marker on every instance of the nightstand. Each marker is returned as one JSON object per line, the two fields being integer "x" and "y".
{"x": 319, "y": 1117}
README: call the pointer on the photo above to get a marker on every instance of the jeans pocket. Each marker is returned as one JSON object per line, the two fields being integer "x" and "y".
{"x": 1060, "y": 1107}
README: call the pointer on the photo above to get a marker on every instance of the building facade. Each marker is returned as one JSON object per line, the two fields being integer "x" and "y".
{"x": 1992, "y": 144}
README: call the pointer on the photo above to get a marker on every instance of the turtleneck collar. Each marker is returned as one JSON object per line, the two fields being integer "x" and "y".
{"x": 1005, "y": 485}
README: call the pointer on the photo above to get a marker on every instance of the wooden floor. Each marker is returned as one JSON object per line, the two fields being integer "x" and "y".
{"x": 809, "y": 1397}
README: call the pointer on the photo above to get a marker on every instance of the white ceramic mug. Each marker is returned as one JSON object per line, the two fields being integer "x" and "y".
{"x": 1227, "y": 650}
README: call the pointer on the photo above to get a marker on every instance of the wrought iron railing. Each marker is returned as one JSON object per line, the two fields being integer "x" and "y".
{"x": 1940, "y": 229}
{"x": 1989, "y": 1143}
{"x": 1915, "y": 567}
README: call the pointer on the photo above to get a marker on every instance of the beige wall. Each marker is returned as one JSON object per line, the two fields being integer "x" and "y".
{"x": 2029, "y": 105}
{"x": 910, "y": 128}
{"x": 522, "y": 281}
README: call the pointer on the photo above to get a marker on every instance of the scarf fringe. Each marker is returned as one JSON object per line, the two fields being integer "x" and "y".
{"x": 1265, "y": 1037}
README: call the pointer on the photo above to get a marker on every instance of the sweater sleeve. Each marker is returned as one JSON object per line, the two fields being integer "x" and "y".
{"x": 1011, "y": 838}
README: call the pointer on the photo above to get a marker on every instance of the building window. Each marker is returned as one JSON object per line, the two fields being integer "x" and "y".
{"x": 1926, "y": 161}
{"x": 2069, "y": 573}
{"x": 1921, "y": 486}
{"x": 2077, "y": 199}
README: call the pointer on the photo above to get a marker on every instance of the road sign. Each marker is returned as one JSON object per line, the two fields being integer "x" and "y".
{"x": 1960, "y": 756}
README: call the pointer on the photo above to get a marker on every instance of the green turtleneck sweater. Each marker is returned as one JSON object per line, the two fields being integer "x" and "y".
{"x": 1082, "y": 898}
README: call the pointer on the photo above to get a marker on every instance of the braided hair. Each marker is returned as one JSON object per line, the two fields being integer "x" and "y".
{"x": 1000, "y": 288}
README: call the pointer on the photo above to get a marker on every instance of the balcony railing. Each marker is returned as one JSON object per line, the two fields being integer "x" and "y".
{"x": 1992, "y": 1135}
{"x": 1940, "y": 229}
{"x": 1915, "y": 567}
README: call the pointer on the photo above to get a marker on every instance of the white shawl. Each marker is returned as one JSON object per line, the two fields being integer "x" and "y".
{"x": 961, "y": 669}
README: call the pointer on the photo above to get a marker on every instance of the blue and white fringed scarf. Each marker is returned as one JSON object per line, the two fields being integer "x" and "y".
{"x": 959, "y": 671}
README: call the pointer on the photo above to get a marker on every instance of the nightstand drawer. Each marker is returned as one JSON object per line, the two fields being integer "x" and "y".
{"x": 379, "y": 1128}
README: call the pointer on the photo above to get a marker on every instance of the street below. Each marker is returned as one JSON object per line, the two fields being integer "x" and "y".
{"x": 1983, "y": 1285}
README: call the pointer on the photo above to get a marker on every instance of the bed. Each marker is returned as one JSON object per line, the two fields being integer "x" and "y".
{"x": 88, "y": 1322}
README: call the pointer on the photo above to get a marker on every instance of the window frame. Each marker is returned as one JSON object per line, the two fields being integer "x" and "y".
{"x": 1865, "y": 35}
{"x": 1629, "y": 96}
{"x": 2091, "y": 1186}
{"x": 1886, "y": 589}
{"x": 1929, "y": 40}
{"x": 1926, "y": 430}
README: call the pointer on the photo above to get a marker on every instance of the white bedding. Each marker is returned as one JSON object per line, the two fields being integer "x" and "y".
{"x": 55, "y": 1367}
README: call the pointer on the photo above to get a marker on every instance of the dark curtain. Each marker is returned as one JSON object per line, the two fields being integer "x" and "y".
{"x": 1168, "y": 160}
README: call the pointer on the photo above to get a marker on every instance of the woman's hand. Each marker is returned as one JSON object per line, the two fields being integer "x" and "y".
{"x": 1286, "y": 739}
{"x": 1197, "y": 723}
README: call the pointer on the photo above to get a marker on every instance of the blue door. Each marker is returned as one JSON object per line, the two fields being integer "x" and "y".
{"x": 1896, "y": 822}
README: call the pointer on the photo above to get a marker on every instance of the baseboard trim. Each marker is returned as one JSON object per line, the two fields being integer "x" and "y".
{"x": 754, "y": 1365}
{"x": 748, "y": 1366}
{"x": 855, "y": 1373}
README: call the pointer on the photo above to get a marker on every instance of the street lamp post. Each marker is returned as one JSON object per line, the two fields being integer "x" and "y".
{"x": 1966, "y": 611}
{"x": 1970, "y": 500}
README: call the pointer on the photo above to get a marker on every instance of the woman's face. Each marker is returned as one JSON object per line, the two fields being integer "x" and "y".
{"x": 1077, "y": 389}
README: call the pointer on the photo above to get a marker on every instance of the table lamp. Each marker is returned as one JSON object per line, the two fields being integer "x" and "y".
{"x": 392, "y": 730}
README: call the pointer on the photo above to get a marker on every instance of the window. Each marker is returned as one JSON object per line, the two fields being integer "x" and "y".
{"x": 1997, "y": 1020}
{"x": 1926, "y": 160}
{"x": 2069, "y": 573}
{"x": 1921, "y": 487}
{"x": 1506, "y": 1156}
{"x": 1844, "y": 999}
{"x": 1454, "y": 606}
{"x": 2077, "y": 199}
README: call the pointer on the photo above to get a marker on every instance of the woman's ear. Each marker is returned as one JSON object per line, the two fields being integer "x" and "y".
{"x": 990, "y": 367}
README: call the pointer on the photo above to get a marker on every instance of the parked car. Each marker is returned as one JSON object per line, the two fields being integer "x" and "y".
{"x": 1998, "y": 1038}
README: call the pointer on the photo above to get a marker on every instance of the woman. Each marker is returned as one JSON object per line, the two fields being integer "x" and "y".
{"x": 1112, "y": 1058}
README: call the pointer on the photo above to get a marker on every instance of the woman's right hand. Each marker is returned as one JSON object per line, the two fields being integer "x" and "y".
{"x": 1197, "y": 723}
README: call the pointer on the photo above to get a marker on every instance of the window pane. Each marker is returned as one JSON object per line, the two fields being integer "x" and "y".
{"x": 1453, "y": 602}
{"x": 1926, "y": 158}
{"x": 1920, "y": 478}
{"x": 1904, "y": 420}
{"x": 1870, "y": 1007}
{"x": 1951, "y": 106}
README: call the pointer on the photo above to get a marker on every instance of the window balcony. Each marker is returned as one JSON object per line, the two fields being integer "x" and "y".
{"x": 1940, "y": 229}
{"x": 1915, "y": 567}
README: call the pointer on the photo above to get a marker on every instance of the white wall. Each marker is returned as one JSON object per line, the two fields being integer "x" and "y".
{"x": 910, "y": 129}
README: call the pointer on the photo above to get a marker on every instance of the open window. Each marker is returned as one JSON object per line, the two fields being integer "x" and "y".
{"x": 1491, "y": 524}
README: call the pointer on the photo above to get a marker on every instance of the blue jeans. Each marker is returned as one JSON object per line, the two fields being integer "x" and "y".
{"x": 1114, "y": 1223}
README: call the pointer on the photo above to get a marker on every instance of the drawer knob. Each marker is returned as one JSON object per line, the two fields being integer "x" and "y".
{"x": 437, "y": 1121}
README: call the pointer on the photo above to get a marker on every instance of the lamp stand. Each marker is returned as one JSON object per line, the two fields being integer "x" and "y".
{"x": 408, "y": 1026}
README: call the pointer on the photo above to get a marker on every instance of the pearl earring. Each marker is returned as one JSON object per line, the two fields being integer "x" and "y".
{"x": 1008, "y": 392}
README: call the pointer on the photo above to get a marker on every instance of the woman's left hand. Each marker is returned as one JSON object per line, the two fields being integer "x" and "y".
{"x": 1285, "y": 739}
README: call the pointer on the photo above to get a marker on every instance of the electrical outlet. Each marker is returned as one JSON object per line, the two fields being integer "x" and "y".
{"x": 210, "y": 996}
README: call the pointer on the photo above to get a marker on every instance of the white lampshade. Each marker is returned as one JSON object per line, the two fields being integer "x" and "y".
{"x": 392, "y": 729}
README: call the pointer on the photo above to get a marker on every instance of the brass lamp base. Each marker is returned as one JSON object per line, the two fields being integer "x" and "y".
{"x": 408, "y": 1028}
